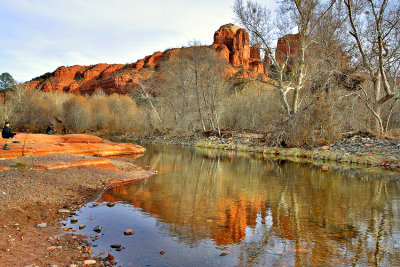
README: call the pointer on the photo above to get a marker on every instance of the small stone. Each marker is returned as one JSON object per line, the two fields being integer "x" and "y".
{"x": 41, "y": 225}
{"x": 73, "y": 265}
{"x": 118, "y": 249}
{"x": 110, "y": 257}
{"x": 162, "y": 252}
{"x": 89, "y": 262}
{"x": 81, "y": 226}
{"x": 97, "y": 229}
{"x": 116, "y": 246}
{"x": 128, "y": 232}
{"x": 51, "y": 248}
{"x": 63, "y": 211}
{"x": 223, "y": 254}
{"x": 324, "y": 168}
{"x": 109, "y": 204}
{"x": 325, "y": 147}
{"x": 74, "y": 220}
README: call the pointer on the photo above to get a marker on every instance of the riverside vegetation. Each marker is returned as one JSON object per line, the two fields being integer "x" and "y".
{"x": 332, "y": 77}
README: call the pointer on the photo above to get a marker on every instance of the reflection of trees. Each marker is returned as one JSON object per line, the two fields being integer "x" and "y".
{"x": 295, "y": 214}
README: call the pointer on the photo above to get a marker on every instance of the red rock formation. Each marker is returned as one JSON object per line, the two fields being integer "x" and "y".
{"x": 287, "y": 46}
{"x": 230, "y": 42}
{"x": 79, "y": 144}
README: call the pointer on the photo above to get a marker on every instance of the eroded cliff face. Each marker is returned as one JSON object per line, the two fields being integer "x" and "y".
{"x": 230, "y": 42}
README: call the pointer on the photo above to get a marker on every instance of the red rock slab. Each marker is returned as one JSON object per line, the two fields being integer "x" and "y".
{"x": 79, "y": 144}
{"x": 4, "y": 168}
{"x": 98, "y": 162}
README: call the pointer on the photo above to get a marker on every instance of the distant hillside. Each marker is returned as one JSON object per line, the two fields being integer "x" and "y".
{"x": 230, "y": 42}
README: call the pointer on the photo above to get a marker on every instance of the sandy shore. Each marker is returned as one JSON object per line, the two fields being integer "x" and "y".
{"x": 34, "y": 188}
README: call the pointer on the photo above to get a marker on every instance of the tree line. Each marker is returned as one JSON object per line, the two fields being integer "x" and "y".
{"x": 340, "y": 74}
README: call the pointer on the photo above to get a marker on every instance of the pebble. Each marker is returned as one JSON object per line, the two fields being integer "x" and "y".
{"x": 51, "y": 248}
{"x": 223, "y": 254}
{"x": 63, "y": 211}
{"x": 162, "y": 252}
{"x": 97, "y": 229}
{"x": 73, "y": 265}
{"x": 109, "y": 204}
{"x": 128, "y": 232}
{"x": 41, "y": 225}
{"x": 89, "y": 262}
{"x": 74, "y": 220}
{"x": 116, "y": 246}
{"x": 81, "y": 226}
{"x": 110, "y": 257}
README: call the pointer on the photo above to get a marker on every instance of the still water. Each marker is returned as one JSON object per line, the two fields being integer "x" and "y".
{"x": 207, "y": 208}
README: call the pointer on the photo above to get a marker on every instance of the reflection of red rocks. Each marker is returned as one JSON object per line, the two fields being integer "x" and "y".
{"x": 232, "y": 217}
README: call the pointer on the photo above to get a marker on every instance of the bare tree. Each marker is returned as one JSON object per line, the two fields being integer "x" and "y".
{"x": 375, "y": 28}
{"x": 191, "y": 88}
{"x": 303, "y": 15}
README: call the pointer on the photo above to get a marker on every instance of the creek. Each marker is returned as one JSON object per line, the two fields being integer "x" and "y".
{"x": 211, "y": 208}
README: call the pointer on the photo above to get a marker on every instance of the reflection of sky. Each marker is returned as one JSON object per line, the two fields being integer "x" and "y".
{"x": 151, "y": 236}
{"x": 37, "y": 36}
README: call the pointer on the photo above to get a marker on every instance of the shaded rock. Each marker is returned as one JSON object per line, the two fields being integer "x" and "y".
{"x": 74, "y": 220}
{"x": 97, "y": 228}
{"x": 110, "y": 204}
{"x": 162, "y": 252}
{"x": 81, "y": 226}
{"x": 128, "y": 232}
{"x": 116, "y": 246}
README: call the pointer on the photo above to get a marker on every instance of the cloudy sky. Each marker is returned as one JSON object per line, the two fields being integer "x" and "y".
{"x": 37, "y": 36}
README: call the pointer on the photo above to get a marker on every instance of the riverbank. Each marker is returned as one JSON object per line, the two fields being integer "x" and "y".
{"x": 359, "y": 148}
{"x": 38, "y": 192}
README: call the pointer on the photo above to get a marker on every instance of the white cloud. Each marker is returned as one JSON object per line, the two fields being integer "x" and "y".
{"x": 41, "y": 35}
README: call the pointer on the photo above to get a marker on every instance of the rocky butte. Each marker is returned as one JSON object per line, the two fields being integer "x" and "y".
{"x": 230, "y": 42}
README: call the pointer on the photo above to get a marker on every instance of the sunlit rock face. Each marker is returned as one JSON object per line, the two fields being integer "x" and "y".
{"x": 230, "y": 42}
{"x": 78, "y": 144}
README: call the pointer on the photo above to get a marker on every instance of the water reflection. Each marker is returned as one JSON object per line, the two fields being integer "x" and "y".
{"x": 268, "y": 212}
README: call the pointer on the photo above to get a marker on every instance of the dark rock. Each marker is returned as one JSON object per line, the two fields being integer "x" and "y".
{"x": 97, "y": 229}
{"x": 109, "y": 204}
{"x": 116, "y": 246}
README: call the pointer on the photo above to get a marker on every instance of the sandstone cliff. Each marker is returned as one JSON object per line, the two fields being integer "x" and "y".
{"x": 230, "y": 42}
